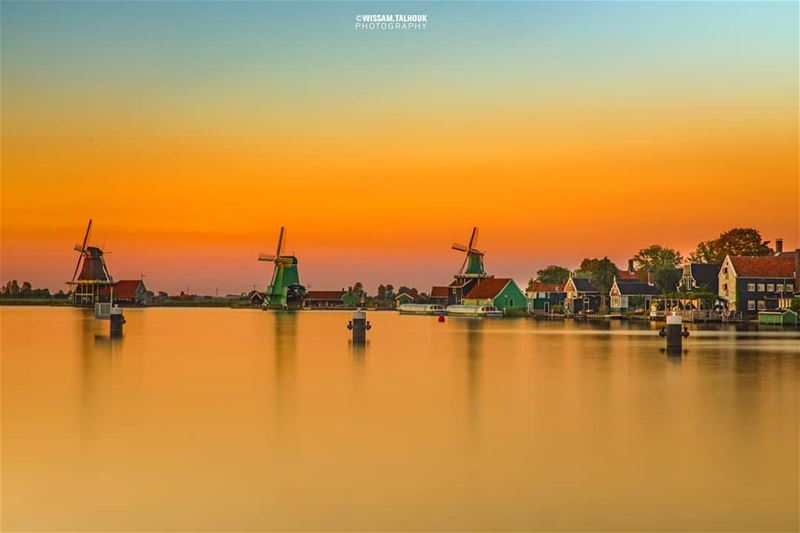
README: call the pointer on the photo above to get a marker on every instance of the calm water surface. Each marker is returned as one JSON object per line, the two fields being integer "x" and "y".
{"x": 242, "y": 420}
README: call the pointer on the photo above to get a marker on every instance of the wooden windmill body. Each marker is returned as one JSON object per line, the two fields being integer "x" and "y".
{"x": 284, "y": 290}
{"x": 94, "y": 283}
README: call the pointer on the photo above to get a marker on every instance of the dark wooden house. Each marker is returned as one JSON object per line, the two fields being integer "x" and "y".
{"x": 752, "y": 284}
{"x": 581, "y": 296}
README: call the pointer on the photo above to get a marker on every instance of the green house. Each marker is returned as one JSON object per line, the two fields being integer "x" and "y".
{"x": 781, "y": 317}
{"x": 503, "y": 293}
{"x": 406, "y": 297}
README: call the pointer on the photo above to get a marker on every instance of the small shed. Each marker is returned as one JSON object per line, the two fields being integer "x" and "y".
{"x": 781, "y": 317}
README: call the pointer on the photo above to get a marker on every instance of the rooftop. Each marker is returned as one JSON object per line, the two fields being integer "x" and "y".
{"x": 487, "y": 288}
{"x": 763, "y": 267}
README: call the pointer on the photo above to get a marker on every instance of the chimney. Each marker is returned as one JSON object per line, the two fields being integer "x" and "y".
{"x": 630, "y": 266}
{"x": 651, "y": 278}
{"x": 778, "y": 246}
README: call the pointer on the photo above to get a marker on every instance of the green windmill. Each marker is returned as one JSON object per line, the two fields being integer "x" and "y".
{"x": 284, "y": 290}
{"x": 473, "y": 262}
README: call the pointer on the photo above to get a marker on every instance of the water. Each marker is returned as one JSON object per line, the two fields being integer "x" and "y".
{"x": 241, "y": 420}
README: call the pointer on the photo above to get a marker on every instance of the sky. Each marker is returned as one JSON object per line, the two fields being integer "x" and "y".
{"x": 191, "y": 131}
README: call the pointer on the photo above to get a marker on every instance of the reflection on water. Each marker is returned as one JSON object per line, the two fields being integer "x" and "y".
{"x": 216, "y": 419}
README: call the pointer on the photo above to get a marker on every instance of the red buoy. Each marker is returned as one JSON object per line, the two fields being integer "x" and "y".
{"x": 441, "y": 318}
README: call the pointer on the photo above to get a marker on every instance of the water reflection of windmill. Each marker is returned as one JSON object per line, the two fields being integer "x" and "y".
{"x": 471, "y": 270}
{"x": 94, "y": 282}
{"x": 284, "y": 290}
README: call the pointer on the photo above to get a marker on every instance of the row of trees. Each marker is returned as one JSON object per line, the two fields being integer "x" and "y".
{"x": 13, "y": 289}
{"x": 662, "y": 261}
{"x": 386, "y": 293}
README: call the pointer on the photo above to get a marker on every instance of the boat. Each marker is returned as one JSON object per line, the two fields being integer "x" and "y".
{"x": 421, "y": 309}
{"x": 483, "y": 311}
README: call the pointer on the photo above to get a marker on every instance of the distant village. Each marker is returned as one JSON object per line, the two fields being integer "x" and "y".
{"x": 737, "y": 276}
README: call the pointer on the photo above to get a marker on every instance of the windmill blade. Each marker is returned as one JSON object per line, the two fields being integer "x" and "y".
{"x": 266, "y": 257}
{"x": 284, "y": 261}
{"x": 474, "y": 239}
{"x": 463, "y": 265}
{"x": 86, "y": 236}
{"x": 460, "y": 247}
{"x": 78, "y": 248}
{"x": 77, "y": 266}
{"x": 280, "y": 242}
{"x": 82, "y": 249}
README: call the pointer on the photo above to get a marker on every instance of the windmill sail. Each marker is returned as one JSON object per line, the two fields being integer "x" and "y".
{"x": 473, "y": 259}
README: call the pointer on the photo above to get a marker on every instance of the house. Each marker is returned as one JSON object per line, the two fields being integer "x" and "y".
{"x": 630, "y": 295}
{"x": 256, "y": 298}
{"x": 503, "y": 293}
{"x": 130, "y": 292}
{"x": 458, "y": 288}
{"x": 752, "y": 284}
{"x": 699, "y": 277}
{"x": 440, "y": 295}
{"x": 543, "y": 296}
{"x": 409, "y": 296}
{"x": 581, "y": 296}
{"x": 324, "y": 299}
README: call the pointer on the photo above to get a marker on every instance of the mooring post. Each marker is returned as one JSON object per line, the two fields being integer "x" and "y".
{"x": 674, "y": 332}
{"x": 117, "y": 320}
{"x": 359, "y": 326}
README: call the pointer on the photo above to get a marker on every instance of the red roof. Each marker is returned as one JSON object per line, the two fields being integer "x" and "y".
{"x": 440, "y": 292}
{"x": 411, "y": 292}
{"x": 763, "y": 267}
{"x": 624, "y": 274}
{"x": 487, "y": 288}
{"x": 324, "y": 295}
{"x": 538, "y": 286}
{"x": 125, "y": 289}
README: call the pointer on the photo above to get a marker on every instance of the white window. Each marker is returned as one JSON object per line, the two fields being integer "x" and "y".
{"x": 751, "y": 287}
{"x": 779, "y": 287}
{"x": 760, "y": 287}
{"x": 751, "y": 305}
{"x": 770, "y": 287}
{"x": 789, "y": 287}
{"x": 762, "y": 305}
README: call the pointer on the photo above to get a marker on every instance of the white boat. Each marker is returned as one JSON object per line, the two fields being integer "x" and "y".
{"x": 421, "y": 309}
{"x": 487, "y": 311}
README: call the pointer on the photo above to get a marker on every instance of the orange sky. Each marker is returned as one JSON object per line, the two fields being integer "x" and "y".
{"x": 188, "y": 175}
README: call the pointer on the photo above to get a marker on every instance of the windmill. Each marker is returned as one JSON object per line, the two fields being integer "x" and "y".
{"x": 472, "y": 267}
{"x": 284, "y": 288}
{"x": 93, "y": 282}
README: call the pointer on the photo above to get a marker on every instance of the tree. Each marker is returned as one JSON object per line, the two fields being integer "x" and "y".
{"x": 656, "y": 256}
{"x": 12, "y": 288}
{"x": 736, "y": 241}
{"x": 602, "y": 273}
{"x": 26, "y": 288}
{"x": 358, "y": 288}
{"x": 390, "y": 292}
{"x": 553, "y": 274}
{"x": 381, "y": 292}
{"x": 741, "y": 241}
{"x": 666, "y": 278}
{"x": 704, "y": 253}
